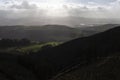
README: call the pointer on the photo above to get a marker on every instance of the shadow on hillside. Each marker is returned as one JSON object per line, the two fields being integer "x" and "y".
{"x": 47, "y": 63}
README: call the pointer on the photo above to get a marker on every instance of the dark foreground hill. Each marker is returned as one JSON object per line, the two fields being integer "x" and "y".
{"x": 106, "y": 69}
{"x": 85, "y": 52}
{"x": 82, "y": 51}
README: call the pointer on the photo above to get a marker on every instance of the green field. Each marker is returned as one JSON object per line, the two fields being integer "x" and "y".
{"x": 36, "y": 47}
{"x": 30, "y": 48}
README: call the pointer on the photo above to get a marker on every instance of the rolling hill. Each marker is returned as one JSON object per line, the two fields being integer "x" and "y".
{"x": 45, "y": 33}
{"x": 95, "y": 56}
{"x": 82, "y": 51}
{"x": 50, "y": 33}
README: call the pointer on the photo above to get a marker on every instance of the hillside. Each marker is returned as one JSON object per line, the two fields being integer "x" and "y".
{"x": 88, "y": 31}
{"x": 45, "y": 33}
{"x": 48, "y": 33}
{"x": 106, "y": 69}
{"x": 79, "y": 51}
{"x": 87, "y": 52}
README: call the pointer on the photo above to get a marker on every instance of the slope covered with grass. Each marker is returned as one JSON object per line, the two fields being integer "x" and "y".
{"x": 37, "y": 47}
{"x": 108, "y": 68}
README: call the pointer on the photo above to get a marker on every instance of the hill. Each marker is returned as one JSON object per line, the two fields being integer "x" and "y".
{"x": 91, "y": 30}
{"x": 87, "y": 52}
{"x": 45, "y": 33}
{"x": 106, "y": 69}
{"x": 50, "y": 33}
{"x": 79, "y": 51}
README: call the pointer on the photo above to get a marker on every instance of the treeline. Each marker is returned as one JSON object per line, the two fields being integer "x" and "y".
{"x": 5, "y": 43}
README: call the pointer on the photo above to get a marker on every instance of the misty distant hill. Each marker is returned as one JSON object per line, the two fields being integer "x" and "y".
{"x": 47, "y": 33}
{"x": 43, "y": 33}
{"x": 99, "y": 28}
{"x": 91, "y": 30}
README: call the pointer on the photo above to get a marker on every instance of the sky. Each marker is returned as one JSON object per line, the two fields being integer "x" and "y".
{"x": 38, "y": 12}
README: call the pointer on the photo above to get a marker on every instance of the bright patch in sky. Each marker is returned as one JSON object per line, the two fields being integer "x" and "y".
{"x": 53, "y": 7}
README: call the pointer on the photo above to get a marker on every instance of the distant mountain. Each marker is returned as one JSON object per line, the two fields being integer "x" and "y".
{"x": 99, "y": 28}
{"x": 91, "y": 30}
{"x": 47, "y": 33}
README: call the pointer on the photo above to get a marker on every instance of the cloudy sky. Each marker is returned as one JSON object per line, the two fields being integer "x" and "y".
{"x": 37, "y": 12}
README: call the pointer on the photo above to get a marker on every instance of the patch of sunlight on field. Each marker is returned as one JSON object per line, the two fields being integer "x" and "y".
{"x": 37, "y": 47}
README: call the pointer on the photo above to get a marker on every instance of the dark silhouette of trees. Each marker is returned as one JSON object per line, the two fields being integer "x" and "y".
{"x": 5, "y": 43}
{"x": 24, "y": 42}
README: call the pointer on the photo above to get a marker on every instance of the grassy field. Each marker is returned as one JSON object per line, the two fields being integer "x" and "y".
{"x": 36, "y": 47}
{"x": 30, "y": 48}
